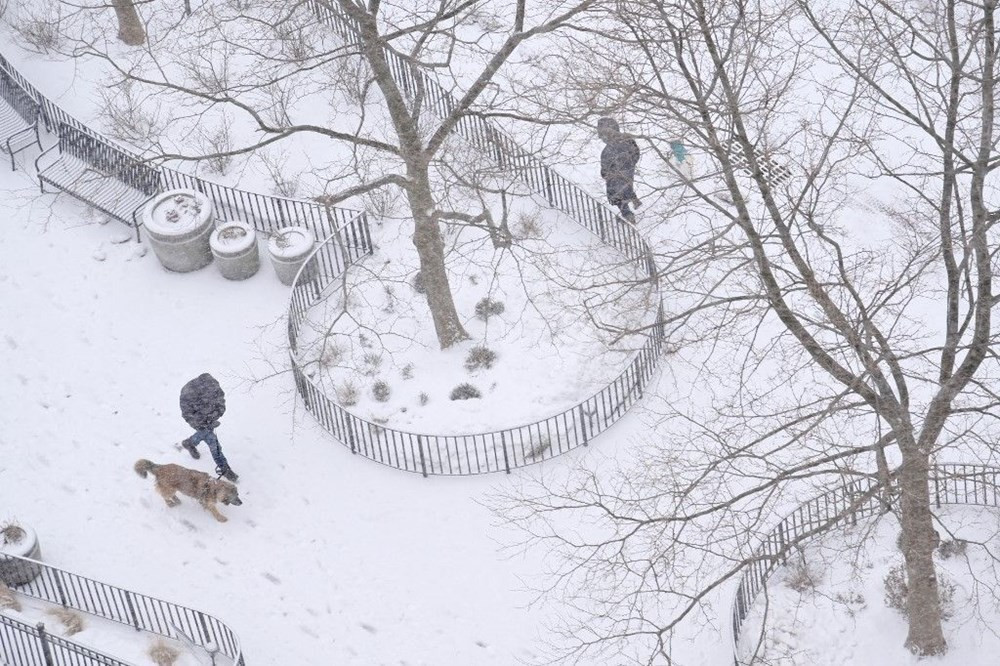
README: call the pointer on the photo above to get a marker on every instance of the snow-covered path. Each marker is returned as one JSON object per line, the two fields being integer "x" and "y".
{"x": 330, "y": 560}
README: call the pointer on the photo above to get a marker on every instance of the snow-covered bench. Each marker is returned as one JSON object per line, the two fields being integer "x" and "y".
{"x": 98, "y": 173}
{"x": 18, "y": 118}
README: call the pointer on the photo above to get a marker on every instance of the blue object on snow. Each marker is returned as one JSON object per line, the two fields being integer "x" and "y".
{"x": 678, "y": 150}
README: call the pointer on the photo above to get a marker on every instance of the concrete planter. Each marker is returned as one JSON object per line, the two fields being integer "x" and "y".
{"x": 289, "y": 248}
{"x": 15, "y": 572}
{"x": 179, "y": 226}
{"x": 234, "y": 246}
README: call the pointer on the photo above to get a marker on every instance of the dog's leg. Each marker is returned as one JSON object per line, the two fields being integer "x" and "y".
{"x": 211, "y": 508}
{"x": 168, "y": 495}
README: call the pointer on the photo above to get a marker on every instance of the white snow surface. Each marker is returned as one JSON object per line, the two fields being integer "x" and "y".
{"x": 330, "y": 560}
{"x": 833, "y": 611}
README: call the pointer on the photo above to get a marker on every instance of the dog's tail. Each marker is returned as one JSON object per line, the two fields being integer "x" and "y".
{"x": 142, "y": 466}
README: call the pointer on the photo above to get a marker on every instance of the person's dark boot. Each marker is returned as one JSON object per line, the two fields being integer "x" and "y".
{"x": 191, "y": 448}
{"x": 229, "y": 474}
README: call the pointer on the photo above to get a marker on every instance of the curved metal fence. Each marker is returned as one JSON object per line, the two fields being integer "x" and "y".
{"x": 24, "y": 645}
{"x": 499, "y": 450}
{"x": 952, "y": 484}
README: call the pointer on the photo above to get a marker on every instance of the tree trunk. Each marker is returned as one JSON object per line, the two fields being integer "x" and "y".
{"x": 130, "y": 28}
{"x": 430, "y": 248}
{"x": 918, "y": 541}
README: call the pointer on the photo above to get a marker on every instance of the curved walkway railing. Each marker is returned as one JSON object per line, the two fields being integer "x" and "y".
{"x": 24, "y": 645}
{"x": 499, "y": 450}
{"x": 265, "y": 212}
{"x": 952, "y": 484}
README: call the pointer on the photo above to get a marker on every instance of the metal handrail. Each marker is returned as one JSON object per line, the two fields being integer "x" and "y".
{"x": 142, "y": 612}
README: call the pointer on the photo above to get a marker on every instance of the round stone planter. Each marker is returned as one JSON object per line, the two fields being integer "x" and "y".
{"x": 234, "y": 246}
{"x": 289, "y": 248}
{"x": 23, "y": 543}
{"x": 179, "y": 226}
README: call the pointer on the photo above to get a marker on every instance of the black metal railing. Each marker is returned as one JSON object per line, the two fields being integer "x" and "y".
{"x": 264, "y": 212}
{"x": 139, "y": 611}
{"x": 25, "y": 645}
{"x": 951, "y": 483}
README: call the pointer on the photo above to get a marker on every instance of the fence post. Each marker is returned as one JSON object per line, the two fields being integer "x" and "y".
{"x": 131, "y": 610}
{"x": 503, "y": 443}
{"x": 423, "y": 460}
{"x": 937, "y": 491}
{"x": 583, "y": 424}
{"x": 44, "y": 640}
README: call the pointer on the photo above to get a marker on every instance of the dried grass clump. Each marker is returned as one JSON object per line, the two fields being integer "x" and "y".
{"x": 162, "y": 654}
{"x": 71, "y": 621}
{"x": 480, "y": 358}
{"x": 12, "y": 533}
{"x": 465, "y": 392}
{"x": 8, "y": 599}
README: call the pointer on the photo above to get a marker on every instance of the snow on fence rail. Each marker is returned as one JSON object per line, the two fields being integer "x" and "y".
{"x": 266, "y": 213}
{"x": 24, "y": 645}
{"x": 952, "y": 484}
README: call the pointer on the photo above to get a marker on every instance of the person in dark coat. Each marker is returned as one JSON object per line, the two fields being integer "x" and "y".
{"x": 618, "y": 160}
{"x": 202, "y": 405}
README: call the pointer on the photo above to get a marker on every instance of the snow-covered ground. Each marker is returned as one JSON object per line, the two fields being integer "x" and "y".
{"x": 330, "y": 560}
{"x": 828, "y": 605}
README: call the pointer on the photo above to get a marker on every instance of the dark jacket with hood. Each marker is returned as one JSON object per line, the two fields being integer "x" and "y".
{"x": 203, "y": 402}
{"x": 618, "y": 160}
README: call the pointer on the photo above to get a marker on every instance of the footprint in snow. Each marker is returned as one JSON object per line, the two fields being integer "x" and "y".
{"x": 11, "y": 342}
{"x": 271, "y": 577}
{"x": 99, "y": 255}
{"x": 369, "y": 628}
{"x": 188, "y": 524}
{"x": 307, "y": 631}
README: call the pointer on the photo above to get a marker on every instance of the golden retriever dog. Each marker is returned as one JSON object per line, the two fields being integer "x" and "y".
{"x": 172, "y": 479}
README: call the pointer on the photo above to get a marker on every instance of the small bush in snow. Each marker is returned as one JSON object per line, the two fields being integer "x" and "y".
{"x": 41, "y": 30}
{"x": 465, "y": 392}
{"x": 406, "y": 372}
{"x": 800, "y": 576}
{"x": 162, "y": 654}
{"x": 950, "y": 548}
{"x": 487, "y": 308}
{"x": 370, "y": 363}
{"x": 331, "y": 356}
{"x": 8, "y": 599}
{"x": 424, "y": 399}
{"x": 347, "y": 394}
{"x": 364, "y": 341}
{"x": 480, "y": 357}
{"x": 418, "y": 283}
{"x": 527, "y": 227}
{"x": 72, "y": 622}
{"x": 896, "y": 591}
{"x": 381, "y": 391}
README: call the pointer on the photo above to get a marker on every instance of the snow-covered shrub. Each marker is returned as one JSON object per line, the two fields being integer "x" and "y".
{"x": 214, "y": 142}
{"x": 71, "y": 621}
{"x": 390, "y": 299}
{"x": 8, "y": 600}
{"x": 40, "y": 29}
{"x": 418, "y": 283}
{"x": 347, "y": 394}
{"x": 487, "y": 308}
{"x": 896, "y": 591}
{"x": 800, "y": 576}
{"x": 465, "y": 392}
{"x": 949, "y": 548}
{"x": 381, "y": 391}
{"x": 331, "y": 356}
{"x": 406, "y": 372}
{"x": 480, "y": 357}
{"x": 527, "y": 227}
{"x": 424, "y": 399}
{"x": 127, "y": 118}
{"x": 162, "y": 654}
{"x": 370, "y": 364}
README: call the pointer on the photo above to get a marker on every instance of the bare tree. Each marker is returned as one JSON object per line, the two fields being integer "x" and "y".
{"x": 265, "y": 65}
{"x": 824, "y": 347}
{"x": 130, "y": 29}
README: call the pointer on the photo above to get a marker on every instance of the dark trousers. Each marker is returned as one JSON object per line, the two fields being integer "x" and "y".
{"x": 208, "y": 436}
